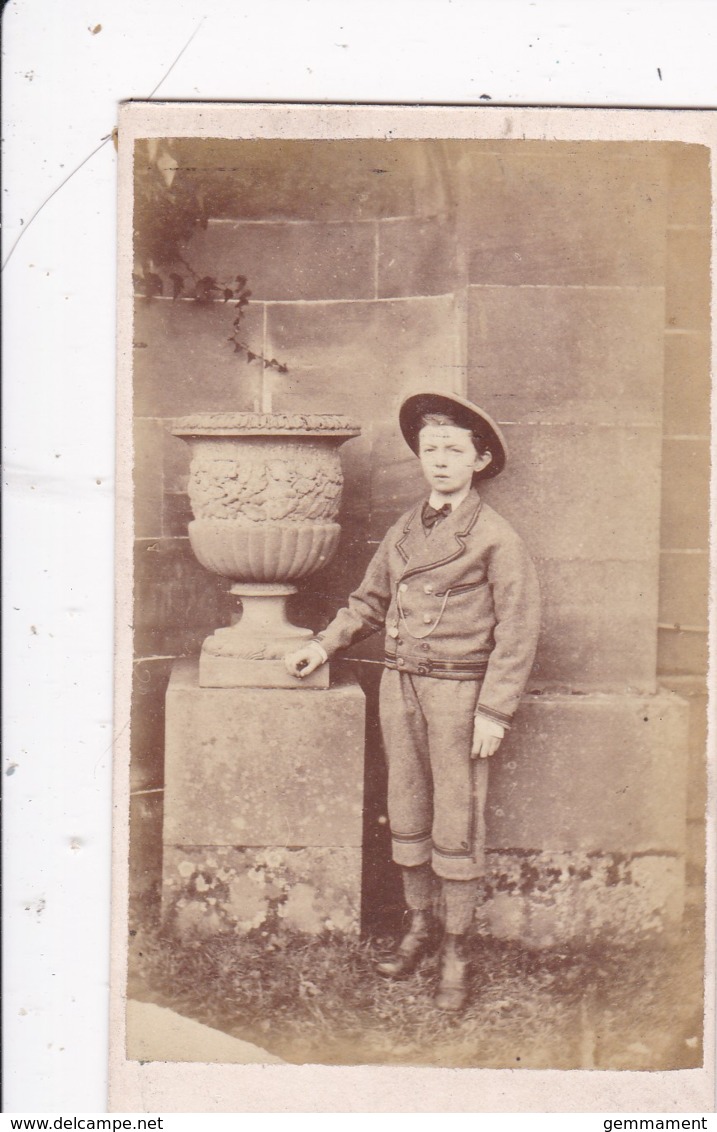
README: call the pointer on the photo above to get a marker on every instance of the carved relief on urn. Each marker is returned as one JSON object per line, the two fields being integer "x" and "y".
{"x": 265, "y": 491}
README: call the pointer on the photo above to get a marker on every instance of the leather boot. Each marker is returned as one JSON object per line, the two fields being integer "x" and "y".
{"x": 418, "y": 941}
{"x": 452, "y": 991}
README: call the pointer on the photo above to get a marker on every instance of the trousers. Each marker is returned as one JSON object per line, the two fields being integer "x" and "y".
{"x": 436, "y": 791}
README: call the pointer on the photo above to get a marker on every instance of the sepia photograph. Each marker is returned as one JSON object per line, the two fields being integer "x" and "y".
{"x": 417, "y": 437}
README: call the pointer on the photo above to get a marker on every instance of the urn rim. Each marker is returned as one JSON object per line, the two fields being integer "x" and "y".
{"x": 239, "y": 424}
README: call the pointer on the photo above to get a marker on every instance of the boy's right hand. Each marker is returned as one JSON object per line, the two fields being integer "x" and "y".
{"x": 304, "y": 661}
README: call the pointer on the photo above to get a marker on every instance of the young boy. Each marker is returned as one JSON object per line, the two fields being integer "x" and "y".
{"x": 457, "y": 592}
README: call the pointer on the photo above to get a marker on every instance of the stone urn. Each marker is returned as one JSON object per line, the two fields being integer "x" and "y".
{"x": 265, "y": 490}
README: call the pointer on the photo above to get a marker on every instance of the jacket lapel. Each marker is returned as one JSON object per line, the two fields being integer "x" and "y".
{"x": 444, "y": 544}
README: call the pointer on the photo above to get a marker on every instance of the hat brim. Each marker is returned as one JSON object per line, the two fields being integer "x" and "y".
{"x": 465, "y": 414}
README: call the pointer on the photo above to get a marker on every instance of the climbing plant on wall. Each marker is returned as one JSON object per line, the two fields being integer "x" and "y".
{"x": 172, "y": 202}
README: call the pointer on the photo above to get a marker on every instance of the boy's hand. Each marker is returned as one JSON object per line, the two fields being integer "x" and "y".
{"x": 486, "y": 739}
{"x": 304, "y": 661}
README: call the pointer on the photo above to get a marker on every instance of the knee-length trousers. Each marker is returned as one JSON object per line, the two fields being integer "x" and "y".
{"x": 436, "y": 791}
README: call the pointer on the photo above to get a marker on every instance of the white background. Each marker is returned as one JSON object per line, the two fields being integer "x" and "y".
{"x": 62, "y": 84}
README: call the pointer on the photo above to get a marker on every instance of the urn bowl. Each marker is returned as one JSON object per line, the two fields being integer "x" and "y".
{"x": 265, "y": 491}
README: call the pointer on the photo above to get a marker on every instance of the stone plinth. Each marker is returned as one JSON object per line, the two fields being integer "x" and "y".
{"x": 263, "y": 806}
{"x": 231, "y": 672}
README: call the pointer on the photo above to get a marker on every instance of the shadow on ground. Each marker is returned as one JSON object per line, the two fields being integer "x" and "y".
{"x": 318, "y": 1000}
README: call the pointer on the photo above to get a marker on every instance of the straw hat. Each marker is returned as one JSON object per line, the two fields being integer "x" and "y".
{"x": 464, "y": 413}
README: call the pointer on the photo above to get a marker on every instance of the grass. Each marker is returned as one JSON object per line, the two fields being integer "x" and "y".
{"x": 319, "y": 1000}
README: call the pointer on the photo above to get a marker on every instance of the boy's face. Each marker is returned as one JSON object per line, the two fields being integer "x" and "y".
{"x": 448, "y": 458}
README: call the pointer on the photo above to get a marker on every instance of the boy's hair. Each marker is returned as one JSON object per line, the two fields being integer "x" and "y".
{"x": 480, "y": 443}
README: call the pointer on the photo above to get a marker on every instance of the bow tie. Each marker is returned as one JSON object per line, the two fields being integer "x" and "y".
{"x": 430, "y": 515}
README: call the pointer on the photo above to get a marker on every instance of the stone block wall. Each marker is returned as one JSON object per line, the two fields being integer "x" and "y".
{"x": 684, "y": 535}
{"x": 573, "y": 284}
{"x": 565, "y": 316}
{"x": 559, "y": 285}
{"x": 596, "y": 845}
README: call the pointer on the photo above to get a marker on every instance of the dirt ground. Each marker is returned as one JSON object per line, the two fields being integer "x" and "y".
{"x": 319, "y": 1000}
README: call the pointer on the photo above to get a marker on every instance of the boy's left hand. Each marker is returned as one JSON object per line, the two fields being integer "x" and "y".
{"x": 486, "y": 741}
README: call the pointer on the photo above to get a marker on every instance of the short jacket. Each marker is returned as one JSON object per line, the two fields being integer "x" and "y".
{"x": 459, "y": 604}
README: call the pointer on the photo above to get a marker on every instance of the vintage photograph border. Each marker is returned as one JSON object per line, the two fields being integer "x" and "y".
{"x": 187, "y": 1086}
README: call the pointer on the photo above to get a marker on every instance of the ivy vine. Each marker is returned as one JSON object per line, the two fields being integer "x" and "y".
{"x": 170, "y": 205}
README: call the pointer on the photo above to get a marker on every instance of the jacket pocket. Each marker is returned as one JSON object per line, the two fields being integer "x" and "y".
{"x": 462, "y": 589}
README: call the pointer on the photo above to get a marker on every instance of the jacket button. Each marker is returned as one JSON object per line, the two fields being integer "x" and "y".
{"x": 426, "y": 647}
{"x": 427, "y": 619}
{"x": 402, "y": 588}
{"x": 428, "y": 589}
{"x": 400, "y": 662}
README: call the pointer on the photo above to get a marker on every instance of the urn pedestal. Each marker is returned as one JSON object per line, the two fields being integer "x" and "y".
{"x": 265, "y": 490}
{"x": 263, "y": 809}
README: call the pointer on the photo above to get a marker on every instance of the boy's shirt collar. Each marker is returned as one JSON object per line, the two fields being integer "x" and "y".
{"x": 437, "y": 501}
